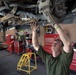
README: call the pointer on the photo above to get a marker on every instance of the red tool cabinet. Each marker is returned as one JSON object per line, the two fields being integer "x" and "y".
{"x": 10, "y": 42}
{"x": 18, "y": 47}
{"x": 73, "y": 64}
{"x": 48, "y": 41}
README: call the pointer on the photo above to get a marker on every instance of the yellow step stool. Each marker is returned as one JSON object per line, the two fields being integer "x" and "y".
{"x": 24, "y": 63}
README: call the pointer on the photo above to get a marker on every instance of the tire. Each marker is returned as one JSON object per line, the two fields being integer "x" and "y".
{"x": 58, "y": 12}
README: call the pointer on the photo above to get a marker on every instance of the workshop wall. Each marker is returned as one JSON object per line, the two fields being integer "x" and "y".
{"x": 11, "y": 32}
{"x": 41, "y": 36}
{"x": 1, "y": 36}
{"x": 70, "y": 29}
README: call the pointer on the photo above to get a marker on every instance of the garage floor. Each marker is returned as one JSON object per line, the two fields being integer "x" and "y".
{"x": 8, "y": 64}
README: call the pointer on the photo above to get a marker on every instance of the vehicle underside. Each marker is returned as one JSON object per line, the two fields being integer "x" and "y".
{"x": 18, "y": 12}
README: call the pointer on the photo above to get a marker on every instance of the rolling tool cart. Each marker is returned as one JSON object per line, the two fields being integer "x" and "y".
{"x": 10, "y": 42}
{"x": 48, "y": 41}
{"x": 73, "y": 64}
{"x": 28, "y": 49}
{"x": 18, "y": 47}
{"x": 24, "y": 63}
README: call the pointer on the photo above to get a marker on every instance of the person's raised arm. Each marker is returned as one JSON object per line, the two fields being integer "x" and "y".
{"x": 64, "y": 38}
{"x": 34, "y": 36}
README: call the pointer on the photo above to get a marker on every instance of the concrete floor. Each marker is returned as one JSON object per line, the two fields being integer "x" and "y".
{"x": 8, "y": 65}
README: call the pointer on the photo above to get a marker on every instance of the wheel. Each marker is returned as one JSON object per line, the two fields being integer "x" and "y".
{"x": 60, "y": 9}
{"x": 57, "y": 10}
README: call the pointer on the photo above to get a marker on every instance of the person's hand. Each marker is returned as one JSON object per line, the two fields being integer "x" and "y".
{"x": 34, "y": 25}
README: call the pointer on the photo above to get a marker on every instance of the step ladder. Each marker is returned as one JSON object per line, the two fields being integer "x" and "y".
{"x": 24, "y": 63}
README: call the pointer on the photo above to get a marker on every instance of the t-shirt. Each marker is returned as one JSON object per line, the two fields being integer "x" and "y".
{"x": 58, "y": 65}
